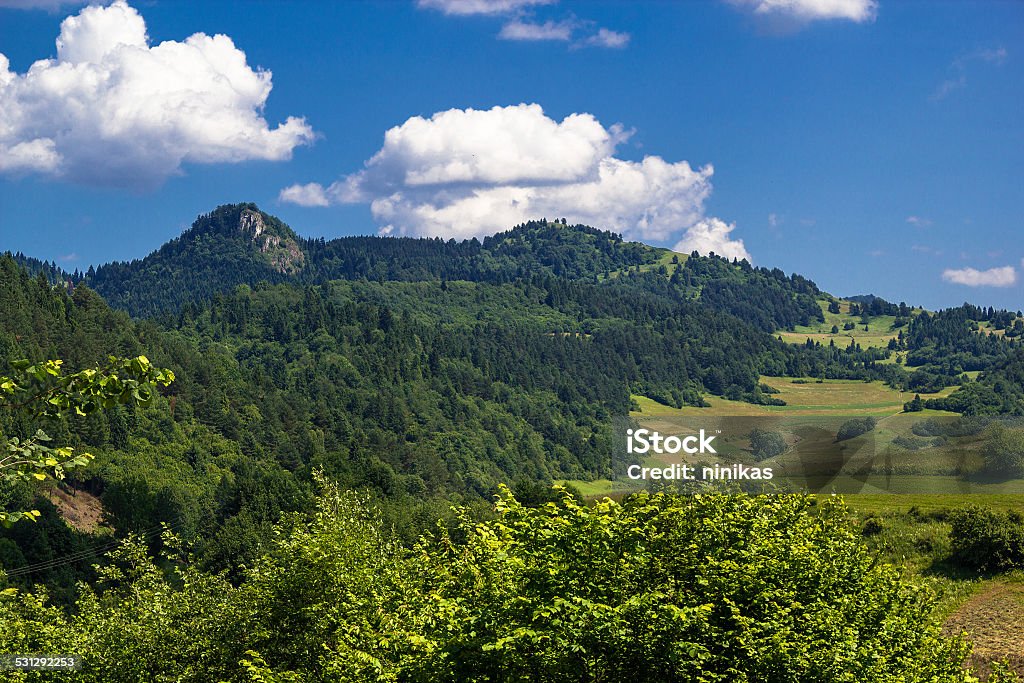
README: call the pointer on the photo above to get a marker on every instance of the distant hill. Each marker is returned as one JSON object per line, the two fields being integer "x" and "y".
{"x": 239, "y": 244}
{"x": 232, "y": 245}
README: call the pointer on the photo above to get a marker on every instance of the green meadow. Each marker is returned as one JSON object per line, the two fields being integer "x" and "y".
{"x": 881, "y": 328}
{"x": 875, "y": 465}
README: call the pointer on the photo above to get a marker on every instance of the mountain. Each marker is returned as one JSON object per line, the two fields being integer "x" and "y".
{"x": 232, "y": 245}
{"x": 239, "y": 244}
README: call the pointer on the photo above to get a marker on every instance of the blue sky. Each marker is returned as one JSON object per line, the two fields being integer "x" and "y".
{"x": 872, "y": 146}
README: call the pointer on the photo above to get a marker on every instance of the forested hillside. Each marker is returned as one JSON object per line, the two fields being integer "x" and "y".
{"x": 423, "y": 374}
{"x": 421, "y": 371}
{"x": 239, "y": 244}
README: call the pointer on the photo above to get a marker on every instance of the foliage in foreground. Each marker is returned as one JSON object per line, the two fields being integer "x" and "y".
{"x": 706, "y": 588}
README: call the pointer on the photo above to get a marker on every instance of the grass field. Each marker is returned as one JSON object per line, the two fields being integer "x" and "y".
{"x": 805, "y": 396}
{"x": 880, "y": 328}
{"x": 664, "y": 259}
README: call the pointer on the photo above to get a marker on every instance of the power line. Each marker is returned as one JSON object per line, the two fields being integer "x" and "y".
{"x": 83, "y": 554}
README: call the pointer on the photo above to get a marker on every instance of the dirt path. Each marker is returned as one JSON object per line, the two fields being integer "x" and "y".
{"x": 994, "y": 621}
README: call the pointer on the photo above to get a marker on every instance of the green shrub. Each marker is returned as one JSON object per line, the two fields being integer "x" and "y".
{"x": 708, "y": 587}
{"x": 911, "y": 443}
{"x": 1004, "y": 450}
{"x": 872, "y": 526}
{"x": 986, "y": 539}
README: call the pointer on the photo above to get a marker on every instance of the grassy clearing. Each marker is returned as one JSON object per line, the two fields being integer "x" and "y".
{"x": 989, "y": 610}
{"x": 803, "y": 397}
{"x": 880, "y": 328}
{"x": 927, "y": 503}
{"x": 595, "y": 489}
{"x": 664, "y": 259}
{"x": 872, "y": 464}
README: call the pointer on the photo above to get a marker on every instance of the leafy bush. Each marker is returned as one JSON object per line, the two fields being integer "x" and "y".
{"x": 872, "y": 526}
{"x": 708, "y": 587}
{"x": 987, "y": 539}
{"x": 915, "y": 406}
{"x": 911, "y": 443}
{"x": 929, "y": 427}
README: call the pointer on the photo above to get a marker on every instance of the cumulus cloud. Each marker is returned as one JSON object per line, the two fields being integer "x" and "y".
{"x": 789, "y": 14}
{"x": 712, "y": 235}
{"x": 488, "y": 7}
{"x": 918, "y": 221}
{"x": 468, "y": 172}
{"x": 113, "y": 110}
{"x": 310, "y": 194}
{"x": 1005, "y": 276}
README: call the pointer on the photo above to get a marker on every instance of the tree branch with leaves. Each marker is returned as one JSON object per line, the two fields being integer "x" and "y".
{"x": 39, "y": 391}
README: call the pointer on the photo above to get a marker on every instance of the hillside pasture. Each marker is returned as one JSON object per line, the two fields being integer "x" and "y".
{"x": 881, "y": 328}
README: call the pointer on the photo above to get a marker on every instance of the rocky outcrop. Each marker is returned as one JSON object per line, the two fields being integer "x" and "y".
{"x": 251, "y": 223}
{"x": 284, "y": 255}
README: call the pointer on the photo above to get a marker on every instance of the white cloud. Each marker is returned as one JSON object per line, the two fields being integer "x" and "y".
{"x": 993, "y": 277}
{"x": 489, "y": 7}
{"x": 606, "y": 38}
{"x": 773, "y": 220}
{"x": 38, "y": 155}
{"x": 515, "y": 145}
{"x": 467, "y": 172}
{"x": 113, "y": 110}
{"x": 521, "y": 23}
{"x": 310, "y": 194}
{"x": 712, "y": 235}
{"x": 524, "y": 30}
{"x": 919, "y": 221}
{"x": 790, "y": 14}
{"x": 958, "y": 70}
